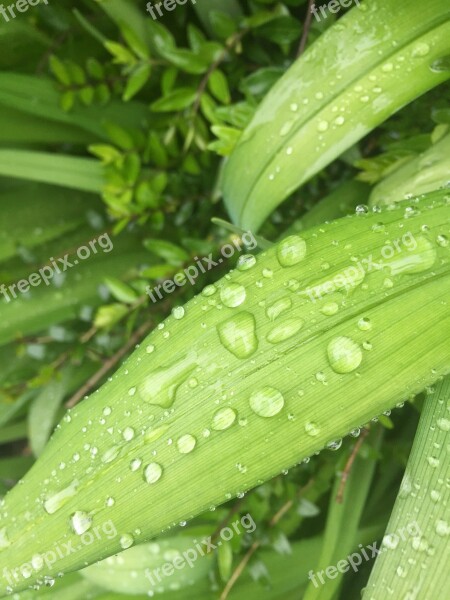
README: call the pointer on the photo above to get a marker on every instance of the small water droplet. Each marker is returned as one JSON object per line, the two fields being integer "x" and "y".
{"x": 135, "y": 464}
{"x": 178, "y": 312}
{"x": 312, "y": 429}
{"x": 420, "y": 49}
{"x": 153, "y": 472}
{"x": 232, "y": 295}
{"x": 344, "y": 354}
{"x": 209, "y": 290}
{"x": 266, "y": 402}
{"x": 278, "y": 307}
{"x": 110, "y": 454}
{"x": 186, "y": 443}
{"x": 126, "y": 541}
{"x": 150, "y": 348}
{"x": 128, "y": 434}
{"x": 291, "y": 251}
{"x": 80, "y": 522}
{"x": 284, "y": 330}
{"x": 329, "y": 309}
{"x": 245, "y": 262}
{"x": 334, "y": 445}
{"x": 223, "y": 419}
{"x": 322, "y": 126}
{"x": 442, "y": 240}
{"x": 238, "y": 334}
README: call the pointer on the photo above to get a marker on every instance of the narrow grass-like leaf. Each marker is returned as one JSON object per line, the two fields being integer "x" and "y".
{"x": 429, "y": 171}
{"x": 256, "y": 370}
{"x": 369, "y": 64}
{"x": 73, "y": 172}
{"x": 417, "y": 567}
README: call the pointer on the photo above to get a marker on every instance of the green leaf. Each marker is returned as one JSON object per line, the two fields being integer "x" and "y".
{"x": 136, "y": 81}
{"x": 218, "y": 85}
{"x": 331, "y": 97}
{"x": 247, "y": 354}
{"x": 122, "y": 55}
{"x": 179, "y": 99}
{"x": 42, "y": 414}
{"x": 59, "y": 70}
{"x": 173, "y": 254}
{"x": 120, "y": 290}
{"x": 418, "y": 530}
{"x": 109, "y": 314}
{"x": 67, "y": 171}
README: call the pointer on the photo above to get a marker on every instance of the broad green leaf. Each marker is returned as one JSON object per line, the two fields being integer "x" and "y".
{"x": 429, "y": 171}
{"x": 416, "y": 565}
{"x": 363, "y": 69}
{"x": 299, "y": 346}
{"x": 73, "y": 172}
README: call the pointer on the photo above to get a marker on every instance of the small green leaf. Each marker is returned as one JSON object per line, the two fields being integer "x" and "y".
{"x": 120, "y": 290}
{"x": 122, "y": 55}
{"x": 136, "y": 81}
{"x": 59, "y": 70}
{"x": 177, "y": 100}
{"x": 218, "y": 85}
{"x": 109, "y": 315}
{"x": 172, "y": 253}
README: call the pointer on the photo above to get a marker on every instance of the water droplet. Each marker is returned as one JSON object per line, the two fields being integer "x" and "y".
{"x": 320, "y": 376}
{"x": 361, "y": 209}
{"x": 80, "y": 522}
{"x": 178, "y": 312}
{"x": 110, "y": 501}
{"x": 150, "y": 348}
{"x": 284, "y": 330}
{"x": 420, "y": 49}
{"x": 312, "y": 429}
{"x": 344, "y": 354}
{"x": 322, "y": 126}
{"x": 355, "y": 432}
{"x": 107, "y": 411}
{"x": 442, "y": 240}
{"x": 245, "y": 262}
{"x": 278, "y": 307}
{"x": 209, "y": 290}
{"x": 443, "y": 424}
{"x": 289, "y": 150}
{"x": 294, "y": 107}
{"x": 266, "y": 402}
{"x": 329, "y": 309}
{"x": 390, "y": 541}
{"x": 291, "y": 251}
{"x": 238, "y": 334}
{"x": 387, "y": 67}
{"x": 334, "y": 445}
{"x": 267, "y": 273}
{"x": 233, "y": 294}
{"x": 364, "y": 324}
{"x": 135, "y": 464}
{"x": 442, "y": 528}
{"x": 132, "y": 391}
{"x": 433, "y": 462}
{"x": 110, "y": 454}
{"x": 286, "y": 128}
{"x": 160, "y": 386}
{"x": 186, "y": 443}
{"x": 55, "y": 501}
{"x": 223, "y": 419}
{"x": 435, "y": 495}
{"x": 153, "y": 472}
{"x": 339, "y": 120}
{"x": 128, "y": 434}
{"x": 126, "y": 541}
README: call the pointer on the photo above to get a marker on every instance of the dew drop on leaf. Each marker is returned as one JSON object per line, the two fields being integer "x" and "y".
{"x": 266, "y": 402}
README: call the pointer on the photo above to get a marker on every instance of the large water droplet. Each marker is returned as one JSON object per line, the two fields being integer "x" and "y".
{"x": 223, "y": 419}
{"x": 178, "y": 312}
{"x": 238, "y": 334}
{"x": 153, "y": 472}
{"x": 160, "y": 386}
{"x": 344, "y": 354}
{"x": 55, "y": 501}
{"x": 291, "y": 251}
{"x": 186, "y": 443}
{"x": 420, "y": 49}
{"x": 418, "y": 260}
{"x": 267, "y": 402}
{"x": 80, "y": 522}
{"x": 233, "y": 294}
